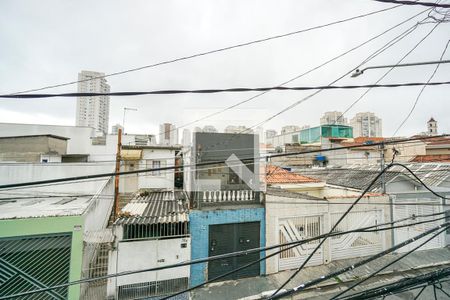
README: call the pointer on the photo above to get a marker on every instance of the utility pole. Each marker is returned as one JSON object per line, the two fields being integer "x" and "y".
{"x": 383, "y": 178}
{"x": 116, "y": 177}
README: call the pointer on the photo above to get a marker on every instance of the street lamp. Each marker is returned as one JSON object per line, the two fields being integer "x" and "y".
{"x": 124, "y": 111}
{"x": 358, "y": 72}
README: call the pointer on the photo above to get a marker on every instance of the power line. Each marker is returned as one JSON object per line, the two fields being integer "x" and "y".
{"x": 213, "y": 51}
{"x": 228, "y": 255}
{"x": 227, "y": 90}
{"x": 301, "y": 75}
{"x": 275, "y": 295}
{"x": 393, "y": 262}
{"x": 360, "y": 263}
{"x": 406, "y": 2}
{"x": 250, "y": 159}
{"x": 421, "y": 91}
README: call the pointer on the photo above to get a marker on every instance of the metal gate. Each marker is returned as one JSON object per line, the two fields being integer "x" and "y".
{"x": 357, "y": 243}
{"x": 36, "y": 262}
{"x": 299, "y": 228}
{"x": 411, "y": 208}
{"x": 226, "y": 238}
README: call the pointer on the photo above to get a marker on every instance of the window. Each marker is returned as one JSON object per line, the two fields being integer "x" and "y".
{"x": 154, "y": 164}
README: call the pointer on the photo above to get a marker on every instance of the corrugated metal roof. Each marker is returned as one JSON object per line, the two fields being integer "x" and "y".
{"x": 156, "y": 207}
{"x": 39, "y": 206}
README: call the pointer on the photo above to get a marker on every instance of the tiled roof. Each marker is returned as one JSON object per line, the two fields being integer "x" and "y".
{"x": 276, "y": 174}
{"x": 432, "y": 158}
{"x": 156, "y": 207}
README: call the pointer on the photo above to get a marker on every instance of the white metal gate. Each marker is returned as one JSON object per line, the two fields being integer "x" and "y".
{"x": 299, "y": 228}
{"x": 357, "y": 243}
{"x": 410, "y": 208}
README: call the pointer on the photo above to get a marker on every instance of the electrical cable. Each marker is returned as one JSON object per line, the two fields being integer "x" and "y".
{"x": 182, "y": 167}
{"x": 228, "y": 255}
{"x": 420, "y": 93}
{"x": 228, "y": 90}
{"x": 360, "y": 263}
{"x": 213, "y": 51}
{"x": 275, "y": 295}
{"x": 391, "y": 263}
{"x": 387, "y": 72}
{"x": 262, "y": 259}
{"x": 300, "y": 75}
{"x": 406, "y": 2}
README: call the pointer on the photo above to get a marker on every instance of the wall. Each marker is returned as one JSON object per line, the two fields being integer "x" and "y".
{"x": 138, "y": 255}
{"x": 282, "y": 207}
{"x": 16, "y": 173}
{"x": 165, "y": 179}
{"x": 79, "y": 136}
{"x": 40, "y": 226}
{"x": 199, "y": 227}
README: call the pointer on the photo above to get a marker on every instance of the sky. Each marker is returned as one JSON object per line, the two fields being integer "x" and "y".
{"x": 48, "y": 42}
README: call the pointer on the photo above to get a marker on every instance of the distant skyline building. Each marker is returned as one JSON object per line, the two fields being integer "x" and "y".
{"x": 209, "y": 128}
{"x": 238, "y": 129}
{"x": 168, "y": 134}
{"x": 93, "y": 111}
{"x": 186, "y": 139}
{"x": 289, "y": 128}
{"x": 270, "y": 133}
{"x": 115, "y": 128}
{"x": 432, "y": 127}
{"x": 333, "y": 117}
{"x": 366, "y": 124}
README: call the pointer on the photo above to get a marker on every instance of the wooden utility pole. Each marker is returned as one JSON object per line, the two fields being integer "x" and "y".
{"x": 116, "y": 178}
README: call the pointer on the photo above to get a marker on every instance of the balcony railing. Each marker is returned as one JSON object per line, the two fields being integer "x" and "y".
{"x": 219, "y": 197}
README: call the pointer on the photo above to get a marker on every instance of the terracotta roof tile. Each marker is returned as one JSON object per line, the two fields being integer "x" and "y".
{"x": 432, "y": 158}
{"x": 276, "y": 174}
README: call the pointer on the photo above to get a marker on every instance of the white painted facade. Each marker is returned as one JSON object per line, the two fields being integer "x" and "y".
{"x": 25, "y": 172}
{"x": 151, "y": 157}
{"x": 291, "y": 217}
{"x": 366, "y": 124}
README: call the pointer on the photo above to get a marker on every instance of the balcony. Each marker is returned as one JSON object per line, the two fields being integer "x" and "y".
{"x": 225, "y": 197}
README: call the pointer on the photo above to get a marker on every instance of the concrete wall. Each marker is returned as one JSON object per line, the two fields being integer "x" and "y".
{"x": 138, "y": 255}
{"x": 79, "y": 136}
{"x": 280, "y": 207}
{"x": 17, "y": 173}
{"x": 199, "y": 226}
{"x": 52, "y": 225}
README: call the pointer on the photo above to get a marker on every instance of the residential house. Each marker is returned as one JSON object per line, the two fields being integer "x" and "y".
{"x": 294, "y": 216}
{"x": 63, "y": 234}
{"x": 152, "y": 230}
{"x": 227, "y": 212}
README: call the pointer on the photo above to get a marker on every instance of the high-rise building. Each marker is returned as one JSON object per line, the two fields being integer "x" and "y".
{"x": 186, "y": 139}
{"x": 366, "y": 124}
{"x": 432, "y": 127}
{"x": 238, "y": 129}
{"x": 168, "y": 134}
{"x": 333, "y": 118}
{"x": 93, "y": 111}
{"x": 115, "y": 129}
{"x": 209, "y": 128}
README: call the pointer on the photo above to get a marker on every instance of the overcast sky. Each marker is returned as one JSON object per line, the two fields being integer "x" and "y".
{"x": 48, "y": 42}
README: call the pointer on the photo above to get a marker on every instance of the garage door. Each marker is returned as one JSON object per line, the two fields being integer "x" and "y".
{"x": 227, "y": 238}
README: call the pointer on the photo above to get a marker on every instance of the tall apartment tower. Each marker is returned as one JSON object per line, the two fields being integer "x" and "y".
{"x": 168, "y": 134}
{"x": 366, "y": 124}
{"x": 432, "y": 127}
{"x": 333, "y": 117}
{"x": 93, "y": 111}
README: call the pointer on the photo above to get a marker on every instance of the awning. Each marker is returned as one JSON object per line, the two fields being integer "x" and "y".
{"x": 127, "y": 154}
